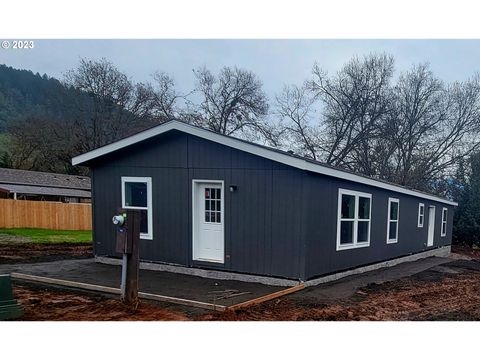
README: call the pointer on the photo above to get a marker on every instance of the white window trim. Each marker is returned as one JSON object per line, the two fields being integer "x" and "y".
{"x": 444, "y": 221}
{"x": 355, "y": 220}
{"x": 390, "y": 201}
{"x": 421, "y": 215}
{"x": 148, "y": 181}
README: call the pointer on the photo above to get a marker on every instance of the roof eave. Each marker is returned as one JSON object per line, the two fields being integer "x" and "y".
{"x": 252, "y": 149}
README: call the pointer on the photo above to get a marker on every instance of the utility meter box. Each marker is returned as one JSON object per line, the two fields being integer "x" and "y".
{"x": 124, "y": 242}
{"x": 127, "y": 243}
{"x": 127, "y": 229}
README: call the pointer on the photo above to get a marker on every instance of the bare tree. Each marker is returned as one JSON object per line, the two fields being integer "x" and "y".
{"x": 295, "y": 109}
{"x": 232, "y": 103}
{"x": 418, "y": 107}
{"x": 109, "y": 106}
{"x": 416, "y": 132}
{"x": 118, "y": 107}
{"x": 355, "y": 102}
{"x": 413, "y": 133}
{"x": 160, "y": 99}
{"x": 433, "y": 127}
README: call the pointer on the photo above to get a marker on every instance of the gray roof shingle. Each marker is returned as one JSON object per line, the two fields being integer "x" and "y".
{"x": 44, "y": 190}
{"x": 37, "y": 178}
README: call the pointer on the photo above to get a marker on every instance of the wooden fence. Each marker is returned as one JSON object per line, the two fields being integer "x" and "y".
{"x": 45, "y": 215}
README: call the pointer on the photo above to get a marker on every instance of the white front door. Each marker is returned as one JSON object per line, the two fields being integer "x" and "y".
{"x": 208, "y": 221}
{"x": 431, "y": 225}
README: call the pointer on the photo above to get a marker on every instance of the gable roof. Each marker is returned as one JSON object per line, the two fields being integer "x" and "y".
{"x": 255, "y": 149}
{"x": 39, "y": 178}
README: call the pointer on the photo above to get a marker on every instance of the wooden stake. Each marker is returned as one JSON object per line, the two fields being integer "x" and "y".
{"x": 133, "y": 259}
{"x": 267, "y": 297}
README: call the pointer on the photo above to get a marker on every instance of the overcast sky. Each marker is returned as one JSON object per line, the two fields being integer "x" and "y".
{"x": 276, "y": 62}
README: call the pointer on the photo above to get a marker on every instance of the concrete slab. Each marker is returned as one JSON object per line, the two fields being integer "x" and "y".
{"x": 208, "y": 290}
{"x": 154, "y": 282}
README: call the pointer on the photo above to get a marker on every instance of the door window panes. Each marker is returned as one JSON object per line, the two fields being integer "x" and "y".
{"x": 213, "y": 205}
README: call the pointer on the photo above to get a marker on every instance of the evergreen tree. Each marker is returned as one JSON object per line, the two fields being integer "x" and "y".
{"x": 466, "y": 223}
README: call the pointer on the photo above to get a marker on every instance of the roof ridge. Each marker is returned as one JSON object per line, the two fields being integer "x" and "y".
{"x": 273, "y": 154}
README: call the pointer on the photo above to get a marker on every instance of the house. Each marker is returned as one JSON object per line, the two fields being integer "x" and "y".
{"x": 215, "y": 202}
{"x": 36, "y": 185}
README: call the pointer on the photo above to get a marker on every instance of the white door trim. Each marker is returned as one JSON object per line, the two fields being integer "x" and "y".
{"x": 431, "y": 226}
{"x": 194, "y": 217}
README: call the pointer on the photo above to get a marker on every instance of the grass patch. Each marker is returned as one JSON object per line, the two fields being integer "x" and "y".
{"x": 45, "y": 236}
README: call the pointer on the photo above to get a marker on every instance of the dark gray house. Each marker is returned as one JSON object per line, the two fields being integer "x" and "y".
{"x": 215, "y": 202}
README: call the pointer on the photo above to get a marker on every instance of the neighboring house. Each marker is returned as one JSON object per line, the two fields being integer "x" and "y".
{"x": 36, "y": 185}
{"x": 216, "y": 202}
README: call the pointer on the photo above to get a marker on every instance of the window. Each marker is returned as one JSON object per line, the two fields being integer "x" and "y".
{"x": 444, "y": 222}
{"x": 213, "y": 205}
{"x": 353, "y": 224}
{"x": 421, "y": 214}
{"x": 137, "y": 194}
{"x": 392, "y": 222}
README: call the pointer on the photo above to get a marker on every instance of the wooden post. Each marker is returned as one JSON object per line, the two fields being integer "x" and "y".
{"x": 133, "y": 258}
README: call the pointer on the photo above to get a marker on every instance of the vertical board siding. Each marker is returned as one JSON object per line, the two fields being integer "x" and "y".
{"x": 286, "y": 218}
{"x": 248, "y": 219}
{"x": 281, "y": 221}
{"x": 258, "y": 221}
{"x": 170, "y": 213}
{"x": 45, "y": 215}
{"x": 321, "y": 232}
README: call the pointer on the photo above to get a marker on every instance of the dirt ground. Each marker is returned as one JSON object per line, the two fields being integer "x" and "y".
{"x": 18, "y": 250}
{"x": 445, "y": 292}
{"x": 40, "y": 303}
{"x": 467, "y": 251}
{"x": 442, "y": 293}
{"x": 455, "y": 297}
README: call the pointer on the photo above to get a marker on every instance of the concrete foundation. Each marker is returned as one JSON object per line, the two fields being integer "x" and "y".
{"x": 225, "y": 275}
{"x": 210, "y": 274}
